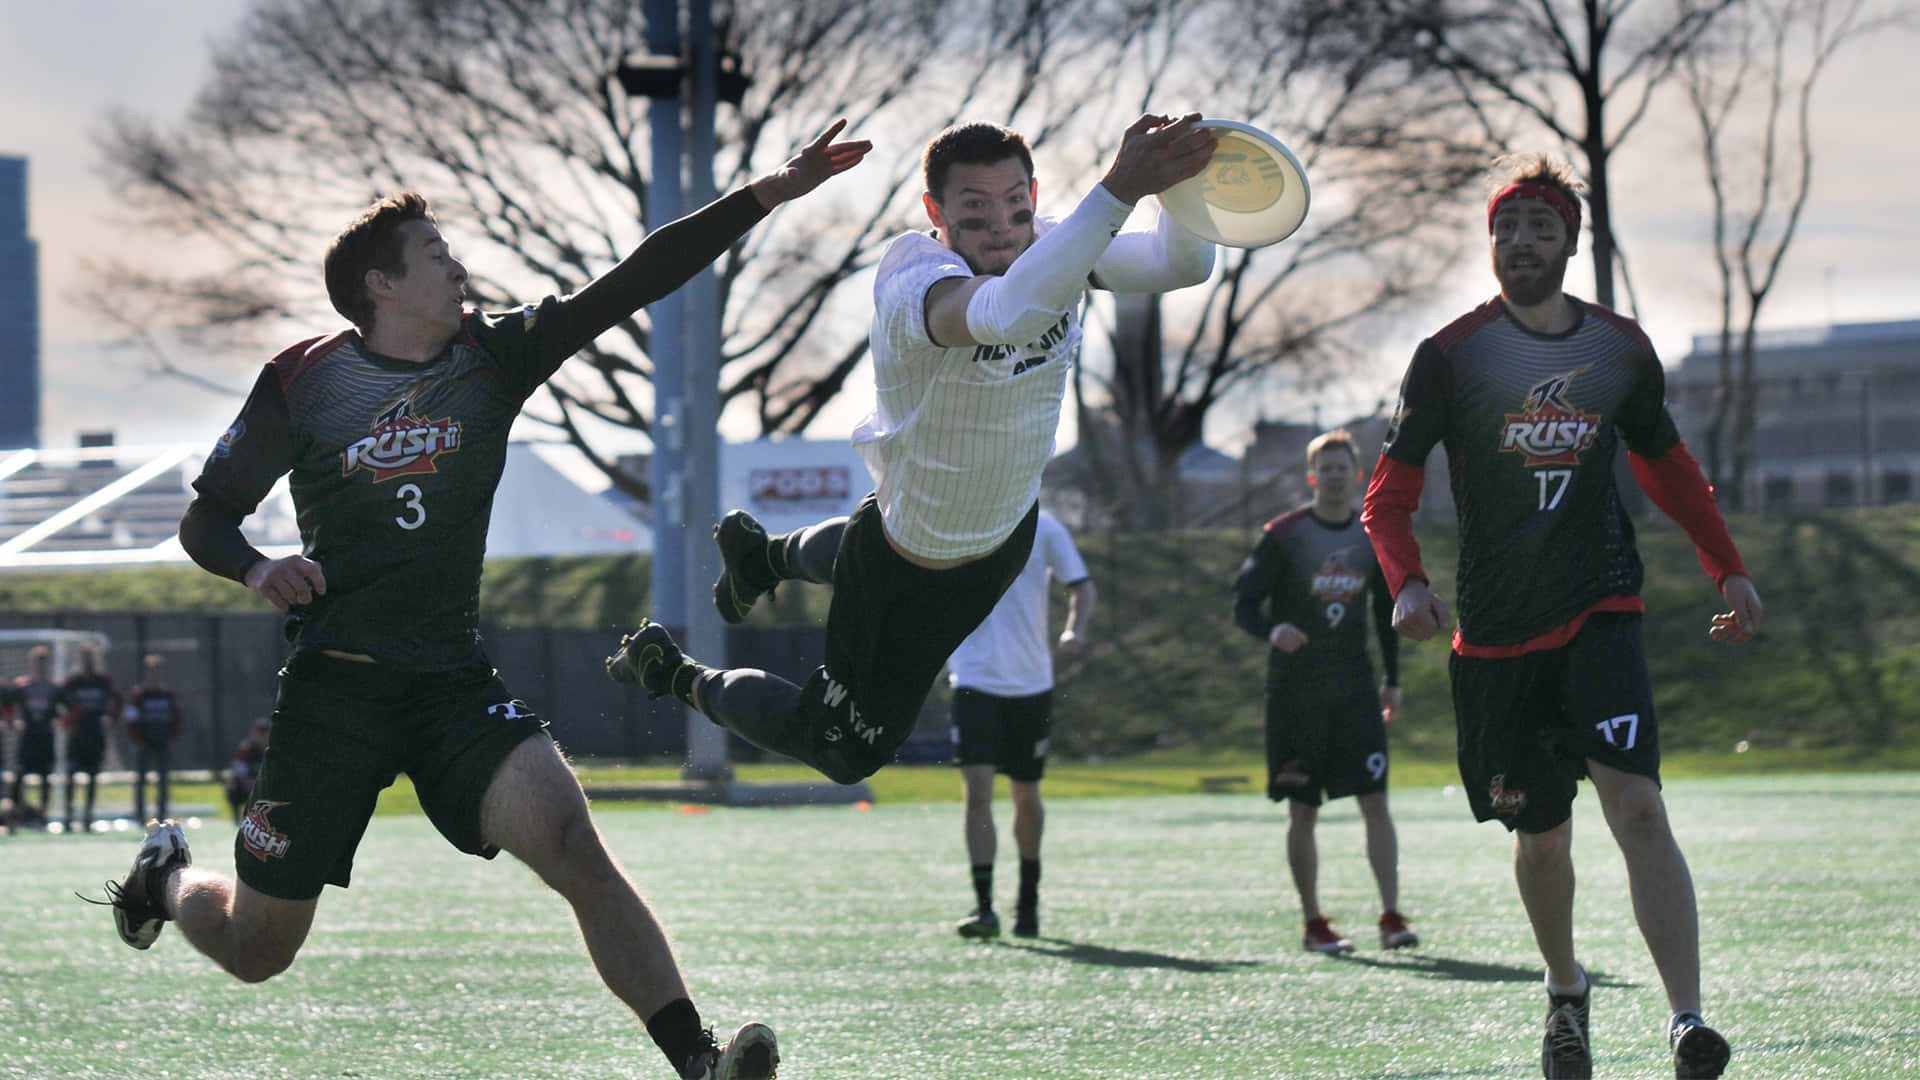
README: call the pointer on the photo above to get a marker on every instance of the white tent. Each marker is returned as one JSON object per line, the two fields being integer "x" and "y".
{"x": 538, "y": 511}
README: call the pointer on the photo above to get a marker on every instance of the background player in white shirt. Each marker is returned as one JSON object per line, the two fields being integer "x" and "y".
{"x": 1002, "y": 679}
{"x": 974, "y": 331}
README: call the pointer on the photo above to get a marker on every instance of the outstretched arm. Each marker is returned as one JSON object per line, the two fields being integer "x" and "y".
{"x": 1048, "y": 278}
{"x": 674, "y": 252}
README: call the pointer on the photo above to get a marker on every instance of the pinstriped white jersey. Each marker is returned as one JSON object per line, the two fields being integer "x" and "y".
{"x": 958, "y": 437}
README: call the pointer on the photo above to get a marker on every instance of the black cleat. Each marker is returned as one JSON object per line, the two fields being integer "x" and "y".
{"x": 1699, "y": 1053}
{"x": 983, "y": 923}
{"x": 139, "y": 912}
{"x": 647, "y": 658}
{"x": 746, "y": 570}
{"x": 752, "y": 1054}
{"x": 1566, "y": 1053}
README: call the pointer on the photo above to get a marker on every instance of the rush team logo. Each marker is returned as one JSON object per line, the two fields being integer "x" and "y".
{"x": 1505, "y": 803}
{"x": 258, "y": 835}
{"x": 1336, "y": 580}
{"x": 401, "y": 444}
{"x": 1549, "y": 429}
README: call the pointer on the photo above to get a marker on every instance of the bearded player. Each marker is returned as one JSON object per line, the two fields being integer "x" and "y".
{"x": 1532, "y": 393}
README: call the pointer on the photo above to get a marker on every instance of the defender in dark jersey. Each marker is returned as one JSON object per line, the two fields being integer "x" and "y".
{"x": 1532, "y": 393}
{"x": 153, "y": 721}
{"x": 395, "y": 435}
{"x": 37, "y": 703}
{"x": 1304, "y": 591}
{"x": 92, "y": 703}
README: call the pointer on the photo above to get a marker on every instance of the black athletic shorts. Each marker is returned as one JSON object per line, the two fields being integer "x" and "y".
{"x": 36, "y": 750}
{"x": 1335, "y": 731}
{"x": 890, "y": 628}
{"x": 1527, "y": 725}
{"x": 342, "y": 731}
{"x": 1008, "y": 733}
{"x": 86, "y": 746}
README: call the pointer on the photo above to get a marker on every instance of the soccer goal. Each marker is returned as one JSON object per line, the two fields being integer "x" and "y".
{"x": 16, "y": 645}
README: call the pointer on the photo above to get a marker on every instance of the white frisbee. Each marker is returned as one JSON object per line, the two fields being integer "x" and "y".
{"x": 1252, "y": 193}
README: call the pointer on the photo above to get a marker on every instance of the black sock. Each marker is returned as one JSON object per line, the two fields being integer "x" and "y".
{"x": 1029, "y": 884}
{"x": 680, "y": 683}
{"x": 676, "y": 1031}
{"x": 777, "y": 557}
{"x": 983, "y": 886}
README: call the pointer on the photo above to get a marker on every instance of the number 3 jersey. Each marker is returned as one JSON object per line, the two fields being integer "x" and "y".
{"x": 1532, "y": 423}
{"x": 1320, "y": 577}
{"x": 393, "y": 467}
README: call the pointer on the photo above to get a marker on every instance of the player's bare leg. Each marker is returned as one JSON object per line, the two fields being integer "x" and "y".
{"x": 1383, "y": 848}
{"x": 1303, "y": 856}
{"x": 976, "y": 800}
{"x": 251, "y": 935}
{"x": 534, "y": 809}
{"x": 1543, "y": 869}
{"x": 1029, "y": 821}
{"x": 1657, "y": 877}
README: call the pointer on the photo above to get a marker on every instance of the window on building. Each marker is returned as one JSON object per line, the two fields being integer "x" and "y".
{"x": 1777, "y": 493}
{"x": 1839, "y": 489}
{"x": 1896, "y": 486}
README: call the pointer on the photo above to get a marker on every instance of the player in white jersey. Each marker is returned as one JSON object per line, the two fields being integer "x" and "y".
{"x": 1002, "y": 679}
{"x": 974, "y": 331}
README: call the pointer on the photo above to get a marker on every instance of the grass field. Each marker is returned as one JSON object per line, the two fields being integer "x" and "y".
{"x": 1169, "y": 949}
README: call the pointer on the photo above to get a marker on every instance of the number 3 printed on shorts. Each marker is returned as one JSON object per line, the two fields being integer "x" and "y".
{"x": 1611, "y": 730}
{"x": 410, "y": 495}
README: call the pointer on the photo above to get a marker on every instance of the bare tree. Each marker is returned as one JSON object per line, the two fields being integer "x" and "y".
{"x": 1752, "y": 101}
{"x": 1383, "y": 162}
{"x": 1584, "y": 72}
{"x": 508, "y": 114}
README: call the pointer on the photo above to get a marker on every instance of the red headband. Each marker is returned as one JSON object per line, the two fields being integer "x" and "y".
{"x": 1568, "y": 210}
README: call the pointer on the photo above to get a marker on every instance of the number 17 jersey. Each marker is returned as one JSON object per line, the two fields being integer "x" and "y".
{"x": 1532, "y": 423}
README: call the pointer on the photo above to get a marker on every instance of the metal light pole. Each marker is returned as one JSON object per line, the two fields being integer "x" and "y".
{"x": 685, "y": 342}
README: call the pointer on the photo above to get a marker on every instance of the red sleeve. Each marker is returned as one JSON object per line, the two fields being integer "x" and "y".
{"x": 1676, "y": 484}
{"x": 1392, "y": 498}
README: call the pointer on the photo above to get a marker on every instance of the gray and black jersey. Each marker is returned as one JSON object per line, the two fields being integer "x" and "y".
{"x": 393, "y": 464}
{"x": 1320, "y": 577}
{"x": 1532, "y": 423}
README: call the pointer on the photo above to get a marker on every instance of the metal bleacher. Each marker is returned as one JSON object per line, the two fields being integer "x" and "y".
{"x": 92, "y": 506}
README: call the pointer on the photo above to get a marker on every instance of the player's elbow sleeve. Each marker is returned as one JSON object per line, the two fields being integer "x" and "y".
{"x": 998, "y": 314}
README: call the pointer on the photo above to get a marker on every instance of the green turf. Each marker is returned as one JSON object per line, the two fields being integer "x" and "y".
{"x": 1170, "y": 949}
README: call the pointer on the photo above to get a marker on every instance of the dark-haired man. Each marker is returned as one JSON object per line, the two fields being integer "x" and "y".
{"x": 153, "y": 722}
{"x": 1532, "y": 393}
{"x": 35, "y": 702}
{"x": 974, "y": 331}
{"x": 92, "y": 703}
{"x": 395, "y": 433}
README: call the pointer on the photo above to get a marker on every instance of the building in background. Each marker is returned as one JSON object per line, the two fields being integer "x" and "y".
{"x": 19, "y": 313}
{"x": 1837, "y": 415}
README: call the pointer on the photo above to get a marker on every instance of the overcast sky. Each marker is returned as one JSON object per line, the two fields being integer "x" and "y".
{"x": 63, "y": 65}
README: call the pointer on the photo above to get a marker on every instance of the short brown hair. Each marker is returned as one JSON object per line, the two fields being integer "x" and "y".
{"x": 371, "y": 242}
{"x": 1337, "y": 439}
{"x": 971, "y": 144}
{"x": 1547, "y": 170}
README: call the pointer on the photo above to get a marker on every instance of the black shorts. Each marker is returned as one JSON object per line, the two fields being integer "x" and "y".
{"x": 1008, "y": 733}
{"x": 1336, "y": 733}
{"x": 36, "y": 750}
{"x": 1527, "y": 725}
{"x": 342, "y": 731}
{"x": 890, "y": 628}
{"x": 86, "y": 746}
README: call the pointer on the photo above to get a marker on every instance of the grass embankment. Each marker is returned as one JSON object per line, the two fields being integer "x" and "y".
{"x": 1833, "y": 680}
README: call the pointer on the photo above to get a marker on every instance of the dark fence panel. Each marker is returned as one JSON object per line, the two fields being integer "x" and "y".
{"x": 223, "y": 668}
